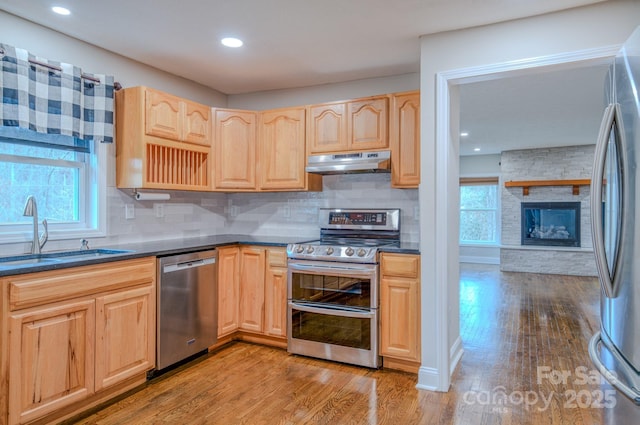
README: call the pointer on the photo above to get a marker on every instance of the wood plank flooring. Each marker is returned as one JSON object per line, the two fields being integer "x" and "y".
{"x": 520, "y": 332}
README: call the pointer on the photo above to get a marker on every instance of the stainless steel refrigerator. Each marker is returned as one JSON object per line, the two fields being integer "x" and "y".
{"x": 615, "y": 213}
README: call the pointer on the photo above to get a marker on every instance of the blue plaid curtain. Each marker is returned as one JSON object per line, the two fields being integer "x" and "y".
{"x": 48, "y": 101}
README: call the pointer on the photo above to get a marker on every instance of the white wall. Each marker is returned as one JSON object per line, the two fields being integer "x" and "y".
{"x": 55, "y": 46}
{"x": 480, "y": 165}
{"x": 325, "y": 92}
{"x": 600, "y": 25}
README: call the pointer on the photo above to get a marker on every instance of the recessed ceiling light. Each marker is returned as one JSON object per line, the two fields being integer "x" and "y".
{"x": 231, "y": 42}
{"x": 464, "y": 134}
{"x": 476, "y": 149}
{"x": 61, "y": 10}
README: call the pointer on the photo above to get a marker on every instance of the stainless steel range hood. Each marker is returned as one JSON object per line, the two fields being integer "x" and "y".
{"x": 350, "y": 163}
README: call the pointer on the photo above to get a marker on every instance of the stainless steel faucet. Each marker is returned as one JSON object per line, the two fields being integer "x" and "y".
{"x": 31, "y": 210}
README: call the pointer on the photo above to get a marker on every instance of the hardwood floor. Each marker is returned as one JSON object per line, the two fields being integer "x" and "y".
{"x": 520, "y": 333}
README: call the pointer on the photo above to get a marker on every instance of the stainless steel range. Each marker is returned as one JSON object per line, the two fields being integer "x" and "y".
{"x": 333, "y": 286}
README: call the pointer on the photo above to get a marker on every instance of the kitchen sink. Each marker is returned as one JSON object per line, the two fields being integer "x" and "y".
{"x": 26, "y": 260}
{"x": 82, "y": 254}
{"x": 12, "y": 261}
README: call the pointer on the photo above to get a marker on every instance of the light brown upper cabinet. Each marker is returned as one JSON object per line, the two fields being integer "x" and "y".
{"x": 356, "y": 125}
{"x": 162, "y": 141}
{"x": 175, "y": 118}
{"x": 368, "y": 123}
{"x": 234, "y": 141}
{"x": 261, "y": 151}
{"x": 405, "y": 140}
{"x": 327, "y": 128}
{"x": 281, "y": 151}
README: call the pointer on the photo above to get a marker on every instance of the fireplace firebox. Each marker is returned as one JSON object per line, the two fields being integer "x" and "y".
{"x": 550, "y": 223}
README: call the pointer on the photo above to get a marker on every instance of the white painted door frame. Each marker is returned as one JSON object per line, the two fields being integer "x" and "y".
{"x": 438, "y": 378}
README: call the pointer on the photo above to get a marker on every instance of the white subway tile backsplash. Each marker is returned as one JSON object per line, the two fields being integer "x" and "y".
{"x": 189, "y": 214}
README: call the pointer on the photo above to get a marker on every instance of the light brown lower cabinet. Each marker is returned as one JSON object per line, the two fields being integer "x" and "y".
{"x": 400, "y": 311}
{"x": 251, "y": 310}
{"x": 75, "y": 337}
{"x": 252, "y": 284}
{"x": 228, "y": 289}
{"x": 275, "y": 293}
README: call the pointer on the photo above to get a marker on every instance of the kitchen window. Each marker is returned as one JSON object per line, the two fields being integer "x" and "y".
{"x": 64, "y": 181}
{"x": 479, "y": 211}
{"x": 54, "y": 119}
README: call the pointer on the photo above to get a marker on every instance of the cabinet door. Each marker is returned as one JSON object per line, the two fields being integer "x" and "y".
{"x": 327, "y": 128}
{"x": 405, "y": 140}
{"x": 197, "y": 124}
{"x": 282, "y": 157}
{"x": 125, "y": 335}
{"x": 399, "y": 321}
{"x": 368, "y": 124}
{"x": 228, "y": 289}
{"x": 235, "y": 149}
{"x": 163, "y": 115}
{"x": 51, "y": 352}
{"x": 275, "y": 293}
{"x": 252, "y": 264}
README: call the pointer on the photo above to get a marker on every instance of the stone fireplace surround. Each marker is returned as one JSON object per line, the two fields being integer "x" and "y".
{"x": 564, "y": 163}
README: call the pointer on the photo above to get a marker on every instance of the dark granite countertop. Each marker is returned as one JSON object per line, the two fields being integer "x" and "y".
{"x": 403, "y": 248}
{"x": 177, "y": 246}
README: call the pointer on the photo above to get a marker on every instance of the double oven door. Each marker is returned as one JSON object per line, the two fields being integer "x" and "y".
{"x": 333, "y": 311}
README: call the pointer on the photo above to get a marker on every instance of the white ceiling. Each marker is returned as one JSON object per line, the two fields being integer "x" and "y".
{"x": 288, "y": 43}
{"x": 297, "y": 43}
{"x": 548, "y": 109}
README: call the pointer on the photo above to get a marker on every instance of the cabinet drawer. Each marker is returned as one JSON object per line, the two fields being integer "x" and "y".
{"x": 401, "y": 265}
{"x": 277, "y": 257}
{"x": 57, "y": 285}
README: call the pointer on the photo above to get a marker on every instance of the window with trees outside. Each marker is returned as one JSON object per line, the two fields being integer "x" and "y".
{"x": 479, "y": 213}
{"x": 63, "y": 181}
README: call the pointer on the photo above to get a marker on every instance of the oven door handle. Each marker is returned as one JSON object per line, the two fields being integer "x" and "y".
{"x": 323, "y": 268}
{"x": 329, "y": 309}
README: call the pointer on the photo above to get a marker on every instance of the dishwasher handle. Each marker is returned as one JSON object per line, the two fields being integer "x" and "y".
{"x": 189, "y": 264}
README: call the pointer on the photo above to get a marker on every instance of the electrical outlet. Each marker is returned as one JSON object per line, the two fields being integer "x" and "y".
{"x": 233, "y": 211}
{"x": 129, "y": 211}
{"x": 158, "y": 209}
{"x": 416, "y": 213}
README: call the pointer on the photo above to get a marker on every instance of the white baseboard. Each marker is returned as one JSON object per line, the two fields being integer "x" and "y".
{"x": 455, "y": 354}
{"x": 479, "y": 260}
{"x": 429, "y": 379}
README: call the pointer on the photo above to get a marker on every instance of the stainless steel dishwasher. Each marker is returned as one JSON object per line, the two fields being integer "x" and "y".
{"x": 187, "y": 306}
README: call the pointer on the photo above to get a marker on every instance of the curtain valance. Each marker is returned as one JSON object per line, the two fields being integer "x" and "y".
{"x": 54, "y": 98}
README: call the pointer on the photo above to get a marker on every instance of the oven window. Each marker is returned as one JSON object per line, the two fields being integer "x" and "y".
{"x": 326, "y": 328}
{"x": 336, "y": 290}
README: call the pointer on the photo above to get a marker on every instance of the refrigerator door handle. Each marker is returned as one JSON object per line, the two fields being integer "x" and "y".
{"x": 631, "y": 392}
{"x": 606, "y": 279}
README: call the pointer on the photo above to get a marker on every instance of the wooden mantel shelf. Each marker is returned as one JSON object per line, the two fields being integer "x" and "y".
{"x": 525, "y": 185}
